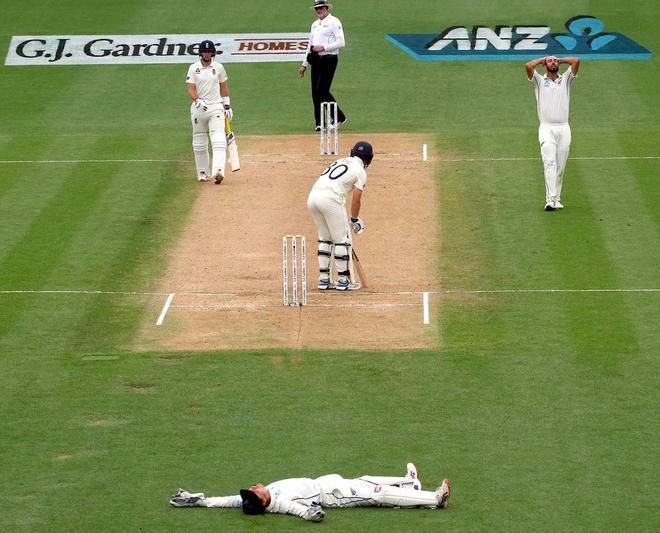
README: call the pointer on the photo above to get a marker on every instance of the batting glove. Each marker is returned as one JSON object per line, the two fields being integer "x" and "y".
{"x": 314, "y": 513}
{"x": 358, "y": 225}
{"x": 229, "y": 113}
{"x": 200, "y": 104}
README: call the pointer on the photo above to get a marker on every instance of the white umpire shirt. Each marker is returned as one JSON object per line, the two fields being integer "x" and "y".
{"x": 553, "y": 97}
{"x": 207, "y": 80}
{"x": 339, "y": 178}
{"x": 328, "y": 33}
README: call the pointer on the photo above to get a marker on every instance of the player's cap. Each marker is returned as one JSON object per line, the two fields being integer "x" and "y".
{"x": 206, "y": 46}
{"x": 252, "y": 504}
{"x": 321, "y": 3}
{"x": 364, "y": 151}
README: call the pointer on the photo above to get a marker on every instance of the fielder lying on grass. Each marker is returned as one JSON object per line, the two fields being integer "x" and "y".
{"x": 306, "y": 498}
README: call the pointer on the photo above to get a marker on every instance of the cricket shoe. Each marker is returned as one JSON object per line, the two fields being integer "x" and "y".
{"x": 549, "y": 206}
{"x": 318, "y": 128}
{"x": 203, "y": 177}
{"x": 411, "y": 473}
{"x": 337, "y": 125}
{"x": 325, "y": 284}
{"x": 347, "y": 285}
{"x": 442, "y": 494}
{"x": 558, "y": 205}
{"x": 217, "y": 179}
{"x": 183, "y": 498}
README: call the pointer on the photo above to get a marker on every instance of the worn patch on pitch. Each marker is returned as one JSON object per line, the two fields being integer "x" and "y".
{"x": 226, "y": 270}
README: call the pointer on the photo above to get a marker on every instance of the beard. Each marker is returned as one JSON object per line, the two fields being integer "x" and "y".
{"x": 553, "y": 68}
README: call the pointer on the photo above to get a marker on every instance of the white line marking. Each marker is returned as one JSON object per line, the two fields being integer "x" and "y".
{"x": 425, "y": 153}
{"x": 362, "y": 294}
{"x": 612, "y": 158}
{"x": 425, "y": 302}
{"x": 400, "y": 157}
{"x": 504, "y": 291}
{"x": 129, "y": 293}
{"x": 7, "y": 162}
{"x": 123, "y": 293}
{"x": 170, "y": 297}
{"x": 376, "y": 305}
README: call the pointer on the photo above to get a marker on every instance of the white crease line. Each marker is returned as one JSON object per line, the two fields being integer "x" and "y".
{"x": 377, "y": 305}
{"x": 425, "y": 303}
{"x": 90, "y": 161}
{"x": 124, "y": 293}
{"x": 286, "y": 158}
{"x": 170, "y": 297}
{"x": 363, "y": 294}
{"x": 504, "y": 291}
{"x": 595, "y": 158}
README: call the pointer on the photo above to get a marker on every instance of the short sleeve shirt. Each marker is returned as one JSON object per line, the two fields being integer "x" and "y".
{"x": 342, "y": 176}
{"x": 553, "y": 97}
{"x": 207, "y": 80}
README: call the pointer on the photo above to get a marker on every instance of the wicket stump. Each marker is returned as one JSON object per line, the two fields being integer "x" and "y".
{"x": 298, "y": 298}
{"x": 329, "y": 129}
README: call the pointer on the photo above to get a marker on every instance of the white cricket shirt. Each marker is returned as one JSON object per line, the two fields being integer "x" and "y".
{"x": 207, "y": 80}
{"x": 328, "y": 33}
{"x": 553, "y": 97}
{"x": 293, "y": 496}
{"x": 340, "y": 178}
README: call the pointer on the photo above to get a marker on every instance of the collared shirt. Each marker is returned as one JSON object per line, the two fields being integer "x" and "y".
{"x": 553, "y": 97}
{"x": 327, "y": 32}
{"x": 207, "y": 80}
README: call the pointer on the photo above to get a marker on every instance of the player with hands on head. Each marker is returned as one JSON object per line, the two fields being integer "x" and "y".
{"x": 553, "y": 92}
{"x": 306, "y": 497}
{"x": 327, "y": 204}
{"x": 208, "y": 89}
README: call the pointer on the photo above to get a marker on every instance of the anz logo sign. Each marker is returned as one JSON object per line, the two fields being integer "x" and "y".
{"x": 585, "y": 38}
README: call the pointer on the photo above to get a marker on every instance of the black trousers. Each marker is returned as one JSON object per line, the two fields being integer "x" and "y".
{"x": 323, "y": 71}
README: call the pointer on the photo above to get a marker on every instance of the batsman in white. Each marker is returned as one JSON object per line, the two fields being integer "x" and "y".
{"x": 553, "y": 92}
{"x": 326, "y": 202}
{"x": 306, "y": 498}
{"x": 208, "y": 89}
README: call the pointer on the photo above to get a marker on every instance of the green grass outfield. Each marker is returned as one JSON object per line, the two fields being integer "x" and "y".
{"x": 541, "y": 407}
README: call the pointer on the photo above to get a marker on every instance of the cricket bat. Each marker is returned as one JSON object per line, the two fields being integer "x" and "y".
{"x": 358, "y": 267}
{"x": 232, "y": 147}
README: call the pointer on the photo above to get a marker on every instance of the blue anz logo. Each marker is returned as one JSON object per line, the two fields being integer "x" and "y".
{"x": 585, "y": 38}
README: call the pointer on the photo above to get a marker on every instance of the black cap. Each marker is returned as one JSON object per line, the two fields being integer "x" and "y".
{"x": 252, "y": 504}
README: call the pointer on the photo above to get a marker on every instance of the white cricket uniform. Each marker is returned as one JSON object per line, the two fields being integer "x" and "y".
{"x": 294, "y": 496}
{"x": 327, "y": 32}
{"x": 327, "y": 204}
{"x": 210, "y": 122}
{"x": 552, "y": 105}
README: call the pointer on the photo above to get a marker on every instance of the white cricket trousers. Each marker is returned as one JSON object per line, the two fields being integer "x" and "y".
{"x": 329, "y": 215}
{"x": 372, "y": 491}
{"x": 205, "y": 124}
{"x": 555, "y": 141}
{"x": 331, "y": 221}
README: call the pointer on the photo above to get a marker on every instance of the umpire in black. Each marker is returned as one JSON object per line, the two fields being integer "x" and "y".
{"x": 325, "y": 39}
